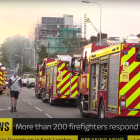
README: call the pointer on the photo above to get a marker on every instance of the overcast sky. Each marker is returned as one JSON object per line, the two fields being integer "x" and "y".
{"x": 119, "y": 17}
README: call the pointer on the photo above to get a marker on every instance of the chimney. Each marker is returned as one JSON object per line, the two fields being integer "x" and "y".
{"x": 103, "y": 36}
{"x": 93, "y": 39}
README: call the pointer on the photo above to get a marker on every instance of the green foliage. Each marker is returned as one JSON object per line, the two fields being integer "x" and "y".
{"x": 25, "y": 68}
{"x": 42, "y": 54}
{"x": 14, "y": 46}
{"x": 71, "y": 43}
{"x": 31, "y": 76}
{"x": 54, "y": 55}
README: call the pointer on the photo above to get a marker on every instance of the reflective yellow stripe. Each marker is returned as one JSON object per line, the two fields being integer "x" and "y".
{"x": 112, "y": 106}
{"x": 122, "y": 46}
{"x": 133, "y": 97}
{"x": 133, "y": 66}
{"x": 62, "y": 66}
{"x": 74, "y": 94}
{"x": 130, "y": 84}
{"x": 63, "y": 97}
{"x": 127, "y": 56}
{"x": 87, "y": 80}
{"x": 119, "y": 110}
{"x": 134, "y": 112}
{"x": 66, "y": 78}
{"x": 68, "y": 84}
{"x": 81, "y": 80}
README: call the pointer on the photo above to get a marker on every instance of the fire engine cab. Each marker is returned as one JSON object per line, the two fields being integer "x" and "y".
{"x": 38, "y": 80}
{"x": 58, "y": 85}
{"x": 110, "y": 81}
{"x": 38, "y": 77}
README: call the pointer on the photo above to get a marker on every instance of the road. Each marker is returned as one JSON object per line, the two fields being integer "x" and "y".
{"x": 31, "y": 107}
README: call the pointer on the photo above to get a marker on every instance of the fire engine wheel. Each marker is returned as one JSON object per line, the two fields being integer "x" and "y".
{"x": 0, "y": 92}
{"x": 38, "y": 95}
{"x": 50, "y": 99}
{"x": 83, "y": 108}
{"x": 102, "y": 109}
{"x": 43, "y": 96}
{"x": 77, "y": 102}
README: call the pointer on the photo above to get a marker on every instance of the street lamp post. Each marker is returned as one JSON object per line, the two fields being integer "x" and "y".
{"x": 32, "y": 51}
{"x": 21, "y": 62}
{"x": 100, "y": 15}
{"x": 14, "y": 63}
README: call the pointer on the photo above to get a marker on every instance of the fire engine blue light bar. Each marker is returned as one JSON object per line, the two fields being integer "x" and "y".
{"x": 125, "y": 52}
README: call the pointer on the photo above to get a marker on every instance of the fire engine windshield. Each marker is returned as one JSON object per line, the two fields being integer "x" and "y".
{"x": 138, "y": 54}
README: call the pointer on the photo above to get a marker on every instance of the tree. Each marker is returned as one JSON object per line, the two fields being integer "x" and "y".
{"x": 42, "y": 54}
{"x": 71, "y": 43}
{"x": 31, "y": 76}
{"x": 25, "y": 68}
{"x": 54, "y": 55}
{"x": 14, "y": 46}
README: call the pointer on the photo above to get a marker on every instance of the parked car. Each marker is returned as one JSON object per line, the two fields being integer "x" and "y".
{"x": 24, "y": 82}
{"x": 31, "y": 82}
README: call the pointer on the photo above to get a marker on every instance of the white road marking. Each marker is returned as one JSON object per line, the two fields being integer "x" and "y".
{"x": 48, "y": 116}
{"x": 38, "y": 108}
{"x": 10, "y": 107}
{"x": 28, "y": 102}
{"x": 3, "y": 109}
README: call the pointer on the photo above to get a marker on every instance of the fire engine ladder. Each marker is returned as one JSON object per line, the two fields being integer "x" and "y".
{"x": 88, "y": 21}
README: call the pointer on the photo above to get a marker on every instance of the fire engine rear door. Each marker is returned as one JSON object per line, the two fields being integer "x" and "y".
{"x": 73, "y": 85}
{"x": 130, "y": 84}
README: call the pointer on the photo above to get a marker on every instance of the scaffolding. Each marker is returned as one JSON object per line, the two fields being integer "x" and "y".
{"x": 56, "y": 44}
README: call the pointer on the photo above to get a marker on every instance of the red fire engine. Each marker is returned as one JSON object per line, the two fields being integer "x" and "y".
{"x": 58, "y": 85}
{"x": 38, "y": 80}
{"x": 110, "y": 80}
{"x": 1, "y": 81}
{"x": 38, "y": 77}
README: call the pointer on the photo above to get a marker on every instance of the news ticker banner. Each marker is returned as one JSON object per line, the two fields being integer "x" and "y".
{"x": 70, "y": 137}
{"x": 73, "y": 128}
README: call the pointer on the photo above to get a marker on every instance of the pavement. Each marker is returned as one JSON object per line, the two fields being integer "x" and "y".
{"x": 31, "y": 107}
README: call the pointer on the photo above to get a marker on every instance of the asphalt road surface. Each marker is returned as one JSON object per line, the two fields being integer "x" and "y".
{"x": 31, "y": 107}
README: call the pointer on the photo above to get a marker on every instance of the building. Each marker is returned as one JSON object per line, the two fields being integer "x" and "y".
{"x": 138, "y": 37}
{"x": 51, "y": 31}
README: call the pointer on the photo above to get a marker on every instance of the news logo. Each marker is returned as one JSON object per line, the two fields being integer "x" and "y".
{"x": 6, "y": 127}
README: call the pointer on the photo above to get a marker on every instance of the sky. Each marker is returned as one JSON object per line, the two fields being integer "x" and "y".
{"x": 120, "y": 18}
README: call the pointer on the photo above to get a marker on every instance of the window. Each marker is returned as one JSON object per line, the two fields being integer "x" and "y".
{"x": 138, "y": 54}
{"x": 48, "y": 76}
{"x": 54, "y": 79}
{"x": 85, "y": 64}
{"x": 103, "y": 75}
{"x": 51, "y": 74}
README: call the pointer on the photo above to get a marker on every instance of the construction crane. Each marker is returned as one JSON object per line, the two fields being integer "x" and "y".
{"x": 88, "y": 21}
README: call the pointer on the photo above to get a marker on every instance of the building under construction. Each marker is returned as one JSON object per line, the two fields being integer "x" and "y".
{"x": 51, "y": 31}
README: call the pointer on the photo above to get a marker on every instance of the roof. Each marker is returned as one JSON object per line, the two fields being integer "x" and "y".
{"x": 104, "y": 41}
